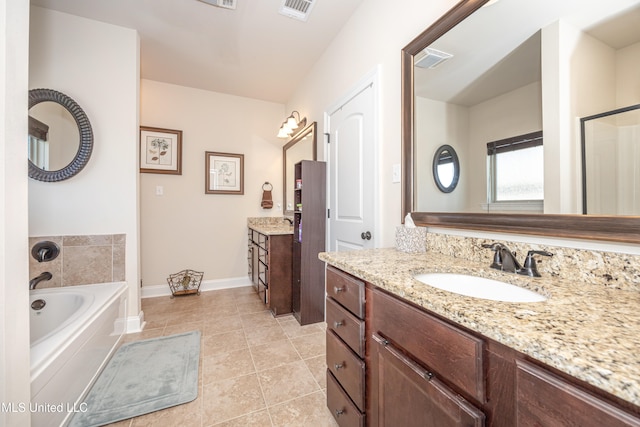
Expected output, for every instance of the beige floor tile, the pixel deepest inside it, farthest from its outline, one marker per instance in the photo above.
(264, 335)
(227, 365)
(222, 324)
(247, 356)
(255, 419)
(144, 335)
(318, 367)
(293, 329)
(309, 410)
(273, 355)
(231, 398)
(257, 320)
(222, 343)
(310, 345)
(179, 328)
(251, 307)
(286, 382)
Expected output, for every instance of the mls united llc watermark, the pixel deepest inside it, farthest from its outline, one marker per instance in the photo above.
(21, 407)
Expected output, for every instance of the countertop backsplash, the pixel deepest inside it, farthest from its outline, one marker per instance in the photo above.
(610, 269)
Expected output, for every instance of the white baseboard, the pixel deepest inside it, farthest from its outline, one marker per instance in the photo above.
(135, 323)
(206, 285)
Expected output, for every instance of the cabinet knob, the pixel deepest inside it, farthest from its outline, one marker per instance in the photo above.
(337, 290)
(339, 365)
(338, 324)
(339, 412)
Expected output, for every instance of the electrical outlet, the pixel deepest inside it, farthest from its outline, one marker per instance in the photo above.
(159, 190)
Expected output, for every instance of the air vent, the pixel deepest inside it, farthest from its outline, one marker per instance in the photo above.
(431, 58)
(297, 9)
(227, 4)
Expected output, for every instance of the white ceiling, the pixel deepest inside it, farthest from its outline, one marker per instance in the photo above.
(252, 51)
(497, 49)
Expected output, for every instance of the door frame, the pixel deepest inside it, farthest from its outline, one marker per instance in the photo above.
(372, 78)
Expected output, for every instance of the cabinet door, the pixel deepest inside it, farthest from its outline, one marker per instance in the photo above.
(409, 395)
(544, 399)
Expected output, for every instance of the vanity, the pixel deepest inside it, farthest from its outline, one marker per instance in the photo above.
(401, 352)
(269, 258)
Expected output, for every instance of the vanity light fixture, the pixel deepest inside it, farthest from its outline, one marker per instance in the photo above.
(290, 124)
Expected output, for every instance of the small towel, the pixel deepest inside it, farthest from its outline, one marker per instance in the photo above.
(267, 200)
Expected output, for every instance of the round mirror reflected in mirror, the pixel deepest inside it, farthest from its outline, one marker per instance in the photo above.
(446, 168)
(60, 136)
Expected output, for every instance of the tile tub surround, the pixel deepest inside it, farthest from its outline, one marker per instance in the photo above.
(83, 260)
(586, 330)
(610, 269)
(270, 225)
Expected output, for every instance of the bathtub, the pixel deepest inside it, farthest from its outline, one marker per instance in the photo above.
(72, 338)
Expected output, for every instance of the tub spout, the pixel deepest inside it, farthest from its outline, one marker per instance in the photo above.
(43, 276)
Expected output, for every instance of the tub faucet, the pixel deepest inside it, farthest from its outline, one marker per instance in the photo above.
(43, 276)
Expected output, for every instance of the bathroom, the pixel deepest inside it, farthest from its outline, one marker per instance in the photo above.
(110, 197)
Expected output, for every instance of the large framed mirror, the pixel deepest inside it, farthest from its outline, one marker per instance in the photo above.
(302, 146)
(60, 136)
(465, 77)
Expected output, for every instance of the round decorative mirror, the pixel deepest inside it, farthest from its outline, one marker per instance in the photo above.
(446, 168)
(60, 136)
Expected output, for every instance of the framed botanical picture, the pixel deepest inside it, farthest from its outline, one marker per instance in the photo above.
(160, 150)
(223, 173)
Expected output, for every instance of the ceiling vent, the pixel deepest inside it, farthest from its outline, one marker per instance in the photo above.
(297, 9)
(227, 4)
(431, 58)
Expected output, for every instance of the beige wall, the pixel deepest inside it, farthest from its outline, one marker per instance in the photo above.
(96, 64)
(374, 35)
(627, 76)
(14, 293)
(186, 228)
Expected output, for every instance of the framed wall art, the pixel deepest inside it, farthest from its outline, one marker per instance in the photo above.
(160, 150)
(224, 173)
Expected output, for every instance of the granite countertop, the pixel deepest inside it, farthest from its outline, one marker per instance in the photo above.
(272, 229)
(270, 226)
(588, 331)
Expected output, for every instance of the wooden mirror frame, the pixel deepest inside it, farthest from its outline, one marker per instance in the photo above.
(296, 138)
(624, 229)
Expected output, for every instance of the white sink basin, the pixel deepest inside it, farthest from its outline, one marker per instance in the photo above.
(479, 287)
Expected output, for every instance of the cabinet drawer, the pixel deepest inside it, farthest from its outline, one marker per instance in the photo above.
(341, 407)
(263, 240)
(263, 254)
(546, 399)
(346, 326)
(347, 368)
(346, 290)
(446, 350)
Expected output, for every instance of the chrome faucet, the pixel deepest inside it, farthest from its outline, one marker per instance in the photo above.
(40, 278)
(505, 260)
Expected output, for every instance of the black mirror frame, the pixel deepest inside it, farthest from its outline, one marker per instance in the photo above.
(456, 168)
(83, 154)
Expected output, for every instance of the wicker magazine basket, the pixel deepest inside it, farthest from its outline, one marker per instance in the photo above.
(186, 282)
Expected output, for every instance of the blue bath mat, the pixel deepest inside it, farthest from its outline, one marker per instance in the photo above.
(143, 377)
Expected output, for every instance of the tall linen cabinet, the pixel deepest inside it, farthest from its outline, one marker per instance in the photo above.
(309, 235)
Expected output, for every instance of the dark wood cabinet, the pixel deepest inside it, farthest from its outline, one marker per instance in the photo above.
(419, 369)
(309, 227)
(409, 395)
(544, 399)
(270, 269)
(424, 371)
(346, 367)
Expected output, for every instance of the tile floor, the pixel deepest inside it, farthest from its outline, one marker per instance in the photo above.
(255, 370)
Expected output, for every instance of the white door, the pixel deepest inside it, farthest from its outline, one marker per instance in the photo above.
(352, 182)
